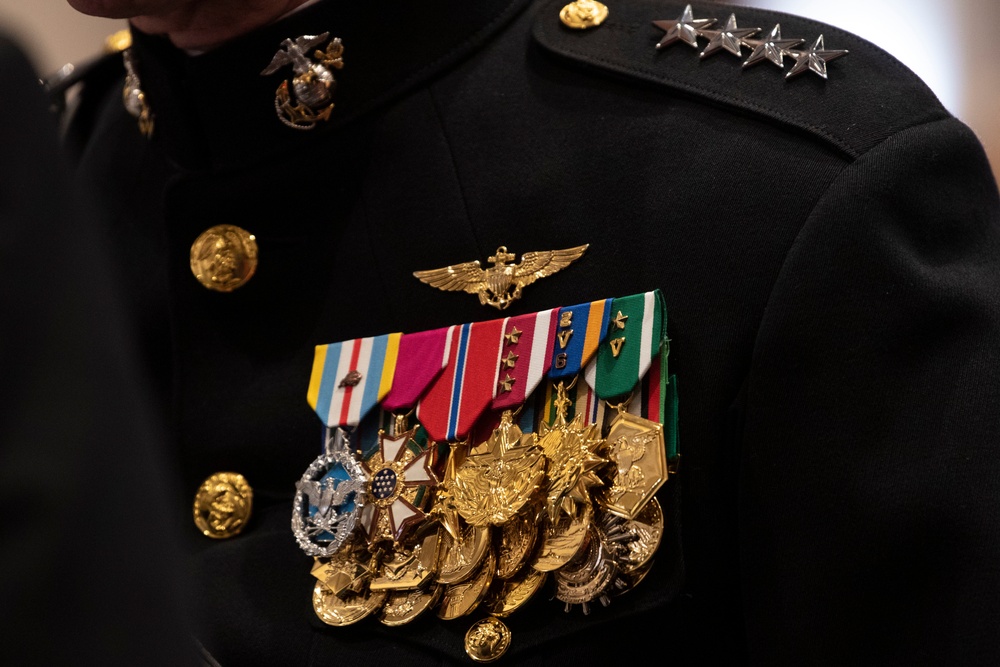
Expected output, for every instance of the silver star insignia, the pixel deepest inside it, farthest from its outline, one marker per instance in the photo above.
(815, 59)
(684, 29)
(729, 38)
(771, 48)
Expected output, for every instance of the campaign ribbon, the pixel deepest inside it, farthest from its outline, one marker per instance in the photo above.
(350, 378)
(636, 332)
(583, 401)
(524, 358)
(457, 398)
(422, 358)
(579, 331)
(656, 400)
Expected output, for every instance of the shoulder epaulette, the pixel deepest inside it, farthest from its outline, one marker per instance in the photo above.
(106, 65)
(783, 67)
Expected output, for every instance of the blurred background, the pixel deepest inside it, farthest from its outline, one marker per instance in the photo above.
(953, 45)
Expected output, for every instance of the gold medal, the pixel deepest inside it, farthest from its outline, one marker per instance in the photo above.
(499, 476)
(460, 558)
(222, 505)
(646, 530)
(515, 592)
(408, 568)
(517, 539)
(339, 612)
(561, 542)
(637, 449)
(461, 599)
(345, 572)
(401, 607)
(487, 640)
(574, 458)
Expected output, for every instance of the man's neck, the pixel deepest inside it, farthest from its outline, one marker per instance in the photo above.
(200, 26)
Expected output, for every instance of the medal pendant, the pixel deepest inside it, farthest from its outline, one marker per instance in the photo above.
(401, 607)
(400, 483)
(461, 557)
(460, 599)
(589, 576)
(328, 498)
(339, 612)
(562, 541)
(498, 477)
(409, 568)
(574, 454)
(345, 573)
(517, 541)
(636, 448)
(515, 592)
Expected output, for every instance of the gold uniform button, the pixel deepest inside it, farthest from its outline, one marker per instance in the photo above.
(118, 42)
(222, 505)
(224, 257)
(583, 14)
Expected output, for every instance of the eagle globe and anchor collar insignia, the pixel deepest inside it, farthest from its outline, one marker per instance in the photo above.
(308, 98)
(501, 284)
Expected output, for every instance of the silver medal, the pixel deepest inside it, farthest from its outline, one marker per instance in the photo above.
(329, 498)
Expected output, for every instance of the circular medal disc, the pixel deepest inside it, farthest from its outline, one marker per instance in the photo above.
(401, 607)
(588, 576)
(487, 640)
(222, 505)
(338, 612)
(517, 538)
(224, 257)
(515, 592)
(460, 559)
(562, 542)
(647, 529)
(461, 599)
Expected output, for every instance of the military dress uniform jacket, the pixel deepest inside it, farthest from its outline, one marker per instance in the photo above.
(828, 252)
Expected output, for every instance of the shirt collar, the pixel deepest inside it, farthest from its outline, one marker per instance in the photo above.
(216, 108)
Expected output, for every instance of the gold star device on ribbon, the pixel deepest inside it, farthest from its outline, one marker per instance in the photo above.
(501, 284)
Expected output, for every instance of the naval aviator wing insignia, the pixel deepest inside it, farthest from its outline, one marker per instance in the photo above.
(501, 284)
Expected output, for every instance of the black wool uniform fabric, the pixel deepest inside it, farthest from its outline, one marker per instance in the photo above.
(828, 251)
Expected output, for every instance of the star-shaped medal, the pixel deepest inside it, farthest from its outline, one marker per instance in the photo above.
(730, 38)
(394, 470)
(814, 59)
(684, 29)
(771, 48)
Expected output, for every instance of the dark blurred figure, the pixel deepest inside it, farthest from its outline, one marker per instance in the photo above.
(85, 550)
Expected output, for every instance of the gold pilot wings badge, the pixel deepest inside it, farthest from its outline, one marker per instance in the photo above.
(501, 284)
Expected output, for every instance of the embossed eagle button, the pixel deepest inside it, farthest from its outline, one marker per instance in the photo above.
(222, 505)
(224, 257)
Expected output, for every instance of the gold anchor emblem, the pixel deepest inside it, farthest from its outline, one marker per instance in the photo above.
(501, 284)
